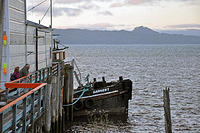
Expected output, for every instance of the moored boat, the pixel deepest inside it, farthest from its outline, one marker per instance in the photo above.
(110, 98)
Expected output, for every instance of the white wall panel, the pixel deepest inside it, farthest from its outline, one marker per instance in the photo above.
(17, 39)
(16, 27)
(17, 50)
(17, 15)
(17, 4)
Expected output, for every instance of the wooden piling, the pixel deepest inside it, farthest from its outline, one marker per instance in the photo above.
(68, 91)
(53, 102)
(48, 107)
(166, 100)
(61, 84)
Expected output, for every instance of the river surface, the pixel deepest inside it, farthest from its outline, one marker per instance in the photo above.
(151, 68)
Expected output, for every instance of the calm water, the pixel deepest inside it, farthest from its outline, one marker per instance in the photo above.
(151, 68)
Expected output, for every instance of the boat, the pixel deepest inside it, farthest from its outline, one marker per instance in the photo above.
(103, 98)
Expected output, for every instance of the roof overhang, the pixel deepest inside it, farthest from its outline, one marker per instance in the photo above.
(30, 23)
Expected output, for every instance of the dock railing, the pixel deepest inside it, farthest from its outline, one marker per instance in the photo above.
(25, 99)
(20, 114)
(40, 76)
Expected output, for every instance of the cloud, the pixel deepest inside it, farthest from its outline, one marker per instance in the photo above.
(136, 2)
(100, 26)
(131, 2)
(106, 13)
(89, 6)
(117, 5)
(183, 26)
(71, 1)
(139, 2)
(72, 12)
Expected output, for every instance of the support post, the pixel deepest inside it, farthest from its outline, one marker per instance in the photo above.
(60, 86)
(25, 36)
(53, 102)
(1, 32)
(68, 91)
(48, 106)
(166, 100)
(1, 123)
(14, 121)
(5, 50)
(36, 54)
(24, 114)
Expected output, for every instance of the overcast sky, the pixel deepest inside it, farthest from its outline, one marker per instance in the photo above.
(119, 14)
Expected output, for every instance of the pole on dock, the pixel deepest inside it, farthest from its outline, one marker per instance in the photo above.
(36, 47)
(1, 32)
(51, 14)
(166, 100)
(68, 91)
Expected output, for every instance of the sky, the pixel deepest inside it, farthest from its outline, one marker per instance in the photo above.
(118, 14)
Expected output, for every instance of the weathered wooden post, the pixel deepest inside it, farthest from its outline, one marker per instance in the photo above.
(57, 96)
(61, 85)
(53, 103)
(48, 106)
(68, 91)
(166, 100)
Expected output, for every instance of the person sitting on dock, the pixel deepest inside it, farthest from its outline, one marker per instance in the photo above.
(24, 71)
(15, 74)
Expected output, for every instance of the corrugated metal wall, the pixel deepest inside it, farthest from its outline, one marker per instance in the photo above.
(22, 40)
(44, 49)
(20, 52)
(44, 45)
(17, 33)
(31, 46)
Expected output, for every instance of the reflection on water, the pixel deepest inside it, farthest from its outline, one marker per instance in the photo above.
(151, 68)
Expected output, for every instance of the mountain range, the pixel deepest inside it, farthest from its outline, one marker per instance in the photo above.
(140, 35)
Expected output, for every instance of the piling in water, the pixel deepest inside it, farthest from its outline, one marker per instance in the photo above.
(68, 92)
(166, 100)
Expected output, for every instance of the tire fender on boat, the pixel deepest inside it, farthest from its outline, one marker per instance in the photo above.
(89, 103)
(79, 105)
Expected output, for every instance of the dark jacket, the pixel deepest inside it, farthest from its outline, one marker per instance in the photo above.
(23, 72)
(14, 76)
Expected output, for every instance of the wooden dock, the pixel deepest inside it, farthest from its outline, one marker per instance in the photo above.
(34, 103)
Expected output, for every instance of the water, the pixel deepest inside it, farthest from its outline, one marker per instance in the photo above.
(151, 68)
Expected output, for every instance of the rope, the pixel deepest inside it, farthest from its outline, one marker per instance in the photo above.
(78, 91)
(45, 14)
(70, 53)
(36, 5)
(84, 90)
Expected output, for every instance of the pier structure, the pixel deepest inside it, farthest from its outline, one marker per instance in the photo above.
(33, 103)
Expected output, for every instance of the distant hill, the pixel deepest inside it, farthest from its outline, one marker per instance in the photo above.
(188, 32)
(140, 35)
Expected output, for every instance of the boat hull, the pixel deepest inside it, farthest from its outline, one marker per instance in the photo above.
(109, 101)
